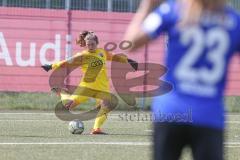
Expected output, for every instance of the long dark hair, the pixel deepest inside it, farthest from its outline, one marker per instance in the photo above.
(81, 37)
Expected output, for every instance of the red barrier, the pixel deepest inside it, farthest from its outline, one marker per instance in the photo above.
(32, 37)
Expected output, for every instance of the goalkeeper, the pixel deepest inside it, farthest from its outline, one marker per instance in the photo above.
(92, 61)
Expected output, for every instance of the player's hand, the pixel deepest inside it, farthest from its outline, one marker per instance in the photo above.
(47, 67)
(133, 63)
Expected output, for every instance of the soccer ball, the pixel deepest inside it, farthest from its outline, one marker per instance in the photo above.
(76, 127)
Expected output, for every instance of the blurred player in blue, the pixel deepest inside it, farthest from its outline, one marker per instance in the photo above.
(203, 35)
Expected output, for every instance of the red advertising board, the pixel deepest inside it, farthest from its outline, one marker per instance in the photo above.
(32, 37)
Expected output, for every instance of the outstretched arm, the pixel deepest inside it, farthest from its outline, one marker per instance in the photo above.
(73, 61)
(134, 32)
(116, 57)
(122, 59)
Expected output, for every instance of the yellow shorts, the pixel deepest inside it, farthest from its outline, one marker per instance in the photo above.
(83, 94)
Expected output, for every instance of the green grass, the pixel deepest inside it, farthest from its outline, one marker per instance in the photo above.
(47, 101)
(233, 103)
(14, 100)
(17, 129)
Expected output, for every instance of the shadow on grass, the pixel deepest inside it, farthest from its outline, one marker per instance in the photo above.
(118, 134)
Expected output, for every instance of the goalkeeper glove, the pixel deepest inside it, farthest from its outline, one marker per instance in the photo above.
(133, 63)
(47, 67)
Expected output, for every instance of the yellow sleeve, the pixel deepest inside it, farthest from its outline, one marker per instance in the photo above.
(117, 57)
(73, 61)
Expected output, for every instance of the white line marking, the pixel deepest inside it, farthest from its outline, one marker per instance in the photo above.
(232, 146)
(148, 130)
(80, 143)
(44, 114)
(232, 115)
(228, 144)
(15, 113)
(27, 120)
(236, 122)
(114, 114)
(110, 120)
(232, 143)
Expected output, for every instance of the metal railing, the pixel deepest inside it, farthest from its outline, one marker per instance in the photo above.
(235, 3)
(91, 5)
(95, 5)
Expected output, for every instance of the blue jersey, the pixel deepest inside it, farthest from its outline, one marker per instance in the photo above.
(197, 59)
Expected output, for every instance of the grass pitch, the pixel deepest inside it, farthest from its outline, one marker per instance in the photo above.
(41, 136)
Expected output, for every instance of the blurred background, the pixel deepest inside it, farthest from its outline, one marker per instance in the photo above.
(37, 32)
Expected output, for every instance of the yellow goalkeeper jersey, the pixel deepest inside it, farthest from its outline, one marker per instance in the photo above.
(93, 66)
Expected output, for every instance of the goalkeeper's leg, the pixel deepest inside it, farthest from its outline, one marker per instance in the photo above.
(101, 118)
(70, 101)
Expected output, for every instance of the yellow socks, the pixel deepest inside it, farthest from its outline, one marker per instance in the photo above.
(101, 117)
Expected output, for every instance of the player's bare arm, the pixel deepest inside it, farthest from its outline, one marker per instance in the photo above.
(134, 33)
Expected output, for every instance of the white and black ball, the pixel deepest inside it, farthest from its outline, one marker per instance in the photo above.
(76, 127)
